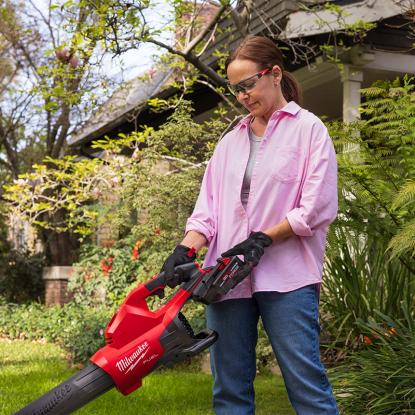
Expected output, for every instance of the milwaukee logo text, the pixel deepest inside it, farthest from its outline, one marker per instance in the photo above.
(128, 363)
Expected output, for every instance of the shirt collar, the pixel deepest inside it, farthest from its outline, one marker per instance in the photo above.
(291, 108)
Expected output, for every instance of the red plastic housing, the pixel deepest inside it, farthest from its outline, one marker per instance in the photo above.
(132, 337)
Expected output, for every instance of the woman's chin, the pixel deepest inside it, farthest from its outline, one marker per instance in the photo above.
(255, 112)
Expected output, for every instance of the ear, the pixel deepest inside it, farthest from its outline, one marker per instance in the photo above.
(277, 73)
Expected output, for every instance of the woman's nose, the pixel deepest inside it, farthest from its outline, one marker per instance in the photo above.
(242, 94)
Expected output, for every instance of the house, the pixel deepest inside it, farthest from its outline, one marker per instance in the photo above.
(386, 52)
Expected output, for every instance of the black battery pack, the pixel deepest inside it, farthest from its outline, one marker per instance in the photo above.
(220, 279)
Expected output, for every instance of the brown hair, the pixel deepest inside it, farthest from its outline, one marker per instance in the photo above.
(266, 54)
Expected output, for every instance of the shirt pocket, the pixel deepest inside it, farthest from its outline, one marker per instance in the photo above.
(286, 164)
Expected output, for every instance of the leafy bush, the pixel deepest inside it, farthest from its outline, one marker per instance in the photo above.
(21, 276)
(83, 332)
(117, 188)
(264, 354)
(20, 272)
(376, 158)
(79, 330)
(381, 379)
(403, 242)
(106, 274)
(360, 279)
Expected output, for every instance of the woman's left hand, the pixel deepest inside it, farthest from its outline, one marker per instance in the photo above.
(252, 248)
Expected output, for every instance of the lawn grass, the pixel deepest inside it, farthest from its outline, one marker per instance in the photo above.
(28, 370)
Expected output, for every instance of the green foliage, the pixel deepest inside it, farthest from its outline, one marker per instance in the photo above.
(79, 330)
(404, 241)
(83, 334)
(20, 272)
(360, 280)
(160, 180)
(21, 276)
(60, 185)
(376, 159)
(105, 275)
(162, 189)
(265, 357)
(381, 379)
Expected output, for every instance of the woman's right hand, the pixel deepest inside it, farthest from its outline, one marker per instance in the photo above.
(181, 255)
(252, 248)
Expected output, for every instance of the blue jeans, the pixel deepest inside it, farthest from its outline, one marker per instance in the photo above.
(291, 323)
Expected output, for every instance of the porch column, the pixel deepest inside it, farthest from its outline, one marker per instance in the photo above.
(352, 79)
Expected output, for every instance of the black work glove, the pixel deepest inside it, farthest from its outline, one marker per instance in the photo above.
(252, 248)
(181, 255)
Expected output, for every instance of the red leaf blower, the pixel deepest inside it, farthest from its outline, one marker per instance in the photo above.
(139, 340)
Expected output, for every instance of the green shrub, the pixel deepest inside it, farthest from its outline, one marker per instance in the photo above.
(21, 276)
(360, 279)
(78, 329)
(381, 379)
(376, 158)
(83, 332)
(20, 272)
(105, 275)
(264, 354)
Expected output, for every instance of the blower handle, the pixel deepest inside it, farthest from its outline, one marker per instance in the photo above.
(184, 273)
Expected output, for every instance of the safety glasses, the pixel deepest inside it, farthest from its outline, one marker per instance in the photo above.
(247, 84)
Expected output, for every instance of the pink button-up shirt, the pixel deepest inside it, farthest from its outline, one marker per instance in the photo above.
(294, 177)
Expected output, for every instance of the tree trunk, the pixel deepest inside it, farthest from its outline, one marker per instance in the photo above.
(60, 247)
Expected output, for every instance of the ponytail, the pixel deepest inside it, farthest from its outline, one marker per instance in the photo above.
(291, 88)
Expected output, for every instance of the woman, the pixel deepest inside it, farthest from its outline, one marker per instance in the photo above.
(269, 193)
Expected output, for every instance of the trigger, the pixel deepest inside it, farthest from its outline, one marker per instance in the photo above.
(159, 293)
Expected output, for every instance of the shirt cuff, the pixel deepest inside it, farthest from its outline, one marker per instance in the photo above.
(200, 227)
(299, 226)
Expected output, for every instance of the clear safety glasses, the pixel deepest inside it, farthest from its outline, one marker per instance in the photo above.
(247, 84)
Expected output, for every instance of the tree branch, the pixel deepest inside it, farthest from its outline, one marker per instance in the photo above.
(6, 164)
(207, 29)
(242, 15)
(195, 61)
(46, 21)
(11, 156)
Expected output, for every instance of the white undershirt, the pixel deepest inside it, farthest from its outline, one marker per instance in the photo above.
(254, 142)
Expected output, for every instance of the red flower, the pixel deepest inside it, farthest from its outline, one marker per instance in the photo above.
(135, 251)
(134, 254)
(367, 340)
(392, 330)
(157, 231)
(106, 265)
